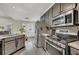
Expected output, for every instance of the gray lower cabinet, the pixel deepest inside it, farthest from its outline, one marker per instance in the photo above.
(78, 9)
(9, 47)
(12, 44)
(74, 51)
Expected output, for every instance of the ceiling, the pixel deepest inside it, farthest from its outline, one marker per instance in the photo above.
(23, 11)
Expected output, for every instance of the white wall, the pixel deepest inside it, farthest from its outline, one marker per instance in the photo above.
(16, 25)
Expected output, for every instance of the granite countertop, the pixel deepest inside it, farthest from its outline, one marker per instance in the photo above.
(9, 35)
(45, 34)
(74, 44)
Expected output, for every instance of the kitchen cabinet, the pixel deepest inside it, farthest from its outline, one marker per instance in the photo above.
(74, 51)
(78, 9)
(46, 17)
(74, 47)
(10, 47)
(10, 44)
(20, 42)
(67, 6)
(56, 9)
(50, 16)
(42, 18)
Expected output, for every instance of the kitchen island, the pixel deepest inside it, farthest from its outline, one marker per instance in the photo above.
(10, 44)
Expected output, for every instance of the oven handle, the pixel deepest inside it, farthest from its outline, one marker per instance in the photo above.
(58, 48)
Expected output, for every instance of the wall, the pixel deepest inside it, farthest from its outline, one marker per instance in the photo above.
(29, 28)
(16, 25)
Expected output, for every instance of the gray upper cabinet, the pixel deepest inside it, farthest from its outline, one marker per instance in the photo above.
(50, 13)
(56, 9)
(67, 6)
(78, 10)
(42, 18)
(47, 18)
(50, 16)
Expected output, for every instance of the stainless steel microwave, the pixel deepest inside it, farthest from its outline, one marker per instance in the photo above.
(71, 17)
(67, 18)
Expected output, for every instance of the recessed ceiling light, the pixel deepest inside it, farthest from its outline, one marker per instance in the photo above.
(26, 17)
(13, 7)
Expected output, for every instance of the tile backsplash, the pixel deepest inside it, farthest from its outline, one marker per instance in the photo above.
(73, 29)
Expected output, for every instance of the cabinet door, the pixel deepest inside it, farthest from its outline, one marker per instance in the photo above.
(56, 9)
(78, 10)
(50, 17)
(47, 18)
(74, 51)
(67, 6)
(10, 47)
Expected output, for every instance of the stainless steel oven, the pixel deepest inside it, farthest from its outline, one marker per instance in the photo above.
(53, 49)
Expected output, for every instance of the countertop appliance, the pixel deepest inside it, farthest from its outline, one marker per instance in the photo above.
(71, 17)
(65, 19)
(59, 42)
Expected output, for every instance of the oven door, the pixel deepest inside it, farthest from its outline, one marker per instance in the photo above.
(53, 49)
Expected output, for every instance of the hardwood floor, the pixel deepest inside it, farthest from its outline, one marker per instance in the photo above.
(31, 49)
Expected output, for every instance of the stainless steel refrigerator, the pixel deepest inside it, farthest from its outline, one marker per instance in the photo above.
(38, 34)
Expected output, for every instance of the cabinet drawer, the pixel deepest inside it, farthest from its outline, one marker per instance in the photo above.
(10, 47)
(9, 39)
(74, 51)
